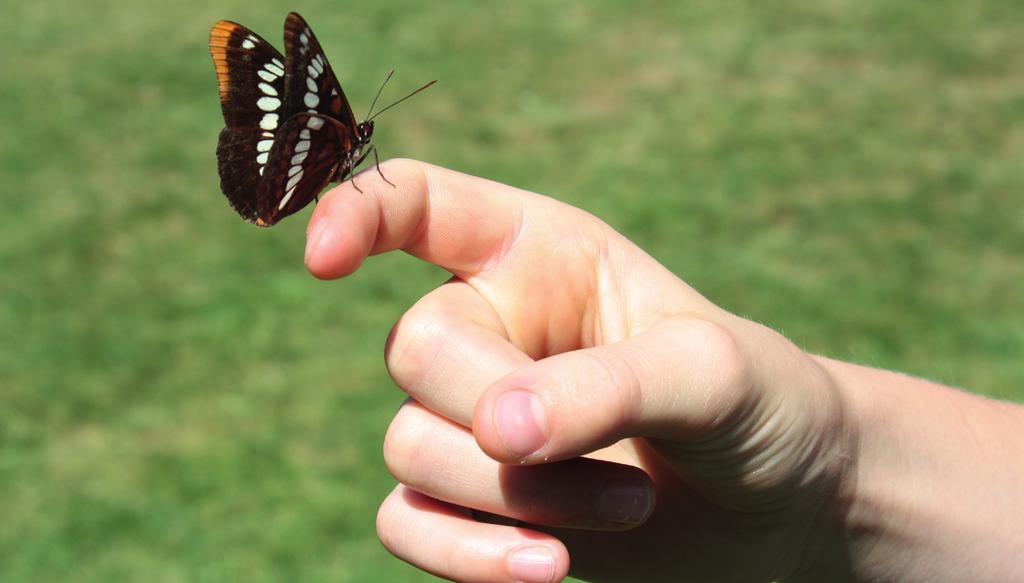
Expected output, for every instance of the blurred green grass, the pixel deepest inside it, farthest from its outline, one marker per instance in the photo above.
(180, 400)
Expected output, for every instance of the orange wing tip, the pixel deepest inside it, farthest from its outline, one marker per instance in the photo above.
(223, 29)
(220, 35)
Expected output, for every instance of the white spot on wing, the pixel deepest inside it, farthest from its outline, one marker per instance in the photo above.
(302, 145)
(311, 85)
(268, 89)
(267, 134)
(294, 169)
(304, 39)
(298, 158)
(268, 103)
(248, 44)
(304, 134)
(279, 64)
(314, 122)
(266, 75)
(294, 180)
(264, 145)
(269, 121)
(261, 170)
(276, 68)
(311, 71)
(262, 158)
(284, 200)
(311, 100)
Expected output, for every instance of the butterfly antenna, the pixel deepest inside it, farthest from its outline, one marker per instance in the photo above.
(379, 91)
(402, 99)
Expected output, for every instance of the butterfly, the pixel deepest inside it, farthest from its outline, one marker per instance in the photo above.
(288, 130)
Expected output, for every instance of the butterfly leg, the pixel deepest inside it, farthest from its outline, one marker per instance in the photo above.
(376, 162)
(346, 171)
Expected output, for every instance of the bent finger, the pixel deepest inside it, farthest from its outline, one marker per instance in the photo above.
(441, 459)
(681, 379)
(445, 541)
(450, 219)
(448, 348)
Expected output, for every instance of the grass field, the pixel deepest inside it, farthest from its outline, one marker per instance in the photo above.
(181, 401)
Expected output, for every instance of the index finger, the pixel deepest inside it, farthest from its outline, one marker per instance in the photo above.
(514, 247)
(453, 220)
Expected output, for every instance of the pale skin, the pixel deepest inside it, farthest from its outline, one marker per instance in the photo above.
(605, 420)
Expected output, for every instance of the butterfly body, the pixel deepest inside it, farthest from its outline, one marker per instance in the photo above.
(352, 159)
(289, 129)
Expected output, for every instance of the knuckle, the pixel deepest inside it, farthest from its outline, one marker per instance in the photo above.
(403, 165)
(717, 352)
(414, 344)
(619, 378)
(411, 174)
(386, 521)
(403, 447)
(721, 370)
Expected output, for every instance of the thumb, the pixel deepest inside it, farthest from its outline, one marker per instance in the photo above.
(681, 379)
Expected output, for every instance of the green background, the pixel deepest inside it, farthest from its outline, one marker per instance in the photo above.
(181, 400)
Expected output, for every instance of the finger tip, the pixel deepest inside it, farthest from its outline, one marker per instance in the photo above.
(538, 561)
(325, 256)
(486, 435)
(336, 242)
(325, 267)
(509, 437)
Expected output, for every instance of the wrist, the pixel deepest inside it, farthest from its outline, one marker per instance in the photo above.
(933, 492)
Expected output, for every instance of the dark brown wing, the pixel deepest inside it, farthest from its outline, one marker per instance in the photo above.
(251, 78)
(303, 160)
(310, 83)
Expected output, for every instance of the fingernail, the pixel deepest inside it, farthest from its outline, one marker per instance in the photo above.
(532, 565)
(625, 504)
(519, 417)
(314, 240)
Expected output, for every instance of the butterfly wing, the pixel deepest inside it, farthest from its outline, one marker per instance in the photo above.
(251, 78)
(310, 83)
(307, 151)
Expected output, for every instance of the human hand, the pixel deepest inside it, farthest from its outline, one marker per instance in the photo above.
(715, 449)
